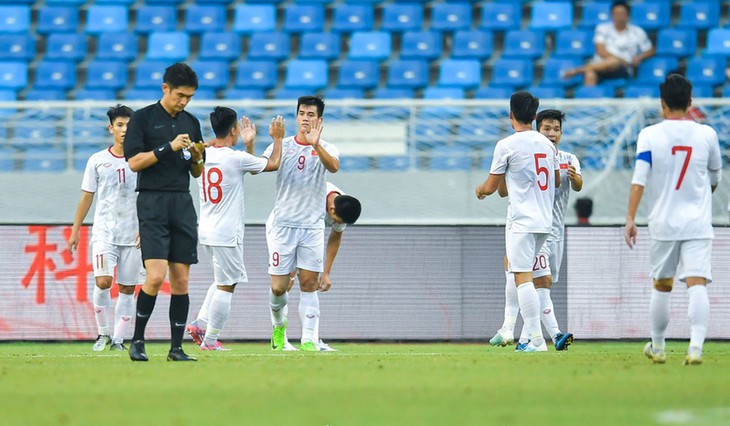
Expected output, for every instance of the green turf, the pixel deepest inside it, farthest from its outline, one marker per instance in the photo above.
(442, 384)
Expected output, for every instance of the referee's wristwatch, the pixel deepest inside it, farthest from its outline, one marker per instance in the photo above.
(201, 161)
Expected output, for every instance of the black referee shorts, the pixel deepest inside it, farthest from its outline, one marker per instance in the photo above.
(168, 226)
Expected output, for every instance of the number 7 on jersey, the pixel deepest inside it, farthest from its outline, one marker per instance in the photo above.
(688, 155)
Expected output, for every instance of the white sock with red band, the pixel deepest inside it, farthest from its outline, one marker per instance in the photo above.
(101, 299)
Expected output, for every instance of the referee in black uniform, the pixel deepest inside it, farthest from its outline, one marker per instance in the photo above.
(160, 147)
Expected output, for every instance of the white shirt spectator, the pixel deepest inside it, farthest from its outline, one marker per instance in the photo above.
(626, 45)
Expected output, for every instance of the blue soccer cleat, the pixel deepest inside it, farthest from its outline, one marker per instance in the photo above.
(562, 341)
(521, 346)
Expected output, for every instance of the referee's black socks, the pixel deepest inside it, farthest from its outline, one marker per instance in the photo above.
(145, 306)
(179, 306)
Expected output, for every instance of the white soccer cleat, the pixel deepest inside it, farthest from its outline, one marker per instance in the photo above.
(323, 347)
(657, 356)
(694, 356)
(502, 339)
(532, 348)
(289, 347)
(101, 341)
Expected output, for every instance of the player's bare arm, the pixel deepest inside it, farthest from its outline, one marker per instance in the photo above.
(248, 134)
(576, 180)
(144, 160)
(333, 246)
(502, 188)
(277, 130)
(630, 230)
(329, 162)
(489, 186)
(81, 211)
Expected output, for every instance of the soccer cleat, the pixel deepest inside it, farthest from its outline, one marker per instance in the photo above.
(278, 337)
(137, 352)
(308, 347)
(657, 356)
(562, 341)
(532, 348)
(197, 333)
(177, 354)
(323, 347)
(694, 356)
(500, 340)
(288, 347)
(101, 341)
(521, 346)
(216, 347)
(117, 347)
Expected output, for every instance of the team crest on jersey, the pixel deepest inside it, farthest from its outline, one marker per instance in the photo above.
(314, 153)
(107, 164)
(564, 166)
(290, 152)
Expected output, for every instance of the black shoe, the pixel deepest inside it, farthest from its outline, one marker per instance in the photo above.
(117, 347)
(177, 354)
(137, 352)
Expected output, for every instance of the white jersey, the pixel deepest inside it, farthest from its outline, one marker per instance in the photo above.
(625, 45)
(680, 155)
(114, 183)
(301, 187)
(528, 160)
(220, 189)
(339, 227)
(562, 194)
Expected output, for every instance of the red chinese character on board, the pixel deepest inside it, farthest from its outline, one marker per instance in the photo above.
(40, 262)
(82, 268)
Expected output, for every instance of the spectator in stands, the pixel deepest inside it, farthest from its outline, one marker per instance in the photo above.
(584, 210)
(620, 48)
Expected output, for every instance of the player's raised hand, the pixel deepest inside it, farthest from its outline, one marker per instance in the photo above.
(315, 131)
(571, 173)
(247, 131)
(324, 282)
(73, 242)
(277, 128)
(630, 232)
(181, 141)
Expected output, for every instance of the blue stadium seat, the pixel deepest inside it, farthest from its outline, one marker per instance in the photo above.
(7, 159)
(308, 74)
(256, 74)
(451, 158)
(204, 18)
(352, 17)
(370, 45)
(555, 67)
(442, 93)
(14, 19)
(410, 74)
(650, 15)
(137, 94)
(106, 75)
(285, 93)
(251, 18)
(95, 95)
(678, 43)
(36, 94)
(156, 18)
(236, 94)
(420, 45)
(106, 19)
(463, 73)
(357, 73)
(76, 3)
(57, 19)
(345, 93)
(122, 47)
(594, 13)
(17, 47)
(171, 46)
(13, 75)
(478, 133)
(149, 73)
(551, 16)
(55, 75)
(513, 73)
(706, 70)
(524, 44)
(654, 70)
(430, 134)
(451, 16)
(547, 92)
(702, 91)
(489, 92)
(393, 93)
(641, 91)
(501, 16)
(44, 160)
(574, 44)
(393, 163)
(124, 2)
(81, 157)
(354, 163)
(64, 46)
(223, 46)
(212, 75)
(270, 45)
(402, 17)
(319, 46)
(205, 95)
(472, 45)
(301, 18)
(718, 42)
(699, 15)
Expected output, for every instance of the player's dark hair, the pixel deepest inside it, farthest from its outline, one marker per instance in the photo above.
(523, 106)
(620, 3)
(311, 100)
(550, 114)
(584, 207)
(676, 92)
(180, 74)
(222, 120)
(117, 111)
(348, 208)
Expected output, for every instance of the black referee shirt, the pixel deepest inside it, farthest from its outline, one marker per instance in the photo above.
(152, 127)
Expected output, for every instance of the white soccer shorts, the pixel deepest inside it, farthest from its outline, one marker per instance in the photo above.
(127, 260)
(548, 260)
(292, 248)
(522, 249)
(228, 267)
(691, 257)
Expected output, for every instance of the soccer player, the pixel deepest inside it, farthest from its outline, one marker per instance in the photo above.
(295, 228)
(527, 162)
(164, 146)
(546, 267)
(114, 235)
(679, 162)
(221, 227)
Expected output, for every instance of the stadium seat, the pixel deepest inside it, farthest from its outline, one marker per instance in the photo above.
(156, 18)
(650, 15)
(410, 74)
(551, 16)
(392, 112)
(701, 15)
(702, 91)
(524, 44)
(451, 16)
(171, 46)
(472, 45)
(463, 73)
(55, 75)
(13, 75)
(301, 18)
(149, 73)
(500, 16)
(43, 160)
(345, 93)
(447, 158)
(137, 94)
(7, 158)
(205, 18)
(287, 94)
(641, 91)
(420, 45)
(478, 133)
(718, 42)
(393, 163)
(393, 93)
(513, 73)
(251, 18)
(319, 46)
(174, 2)
(64, 46)
(222, 46)
(430, 134)
(76, 3)
(442, 93)
(205, 95)
(271, 45)
(36, 94)
(17, 47)
(81, 156)
(706, 70)
(106, 19)
(354, 163)
(103, 74)
(654, 70)
(370, 45)
(677, 43)
(14, 19)
(489, 92)
(256, 74)
(57, 19)
(124, 2)
(212, 75)
(402, 17)
(574, 44)
(122, 47)
(236, 94)
(594, 13)
(359, 74)
(306, 74)
(352, 17)
(547, 92)
(95, 95)
(555, 67)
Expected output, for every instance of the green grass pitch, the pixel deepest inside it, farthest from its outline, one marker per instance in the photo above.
(364, 384)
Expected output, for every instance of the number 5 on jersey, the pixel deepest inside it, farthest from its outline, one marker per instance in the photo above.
(212, 179)
(541, 170)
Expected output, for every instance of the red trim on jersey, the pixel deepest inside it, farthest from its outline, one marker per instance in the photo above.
(299, 143)
(114, 155)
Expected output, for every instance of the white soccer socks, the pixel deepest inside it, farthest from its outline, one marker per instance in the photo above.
(204, 313)
(699, 315)
(308, 314)
(123, 314)
(101, 300)
(659, 317)
(547, 314)
(220, 307)
(511, 306)
(277, 304)
(530, 310)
